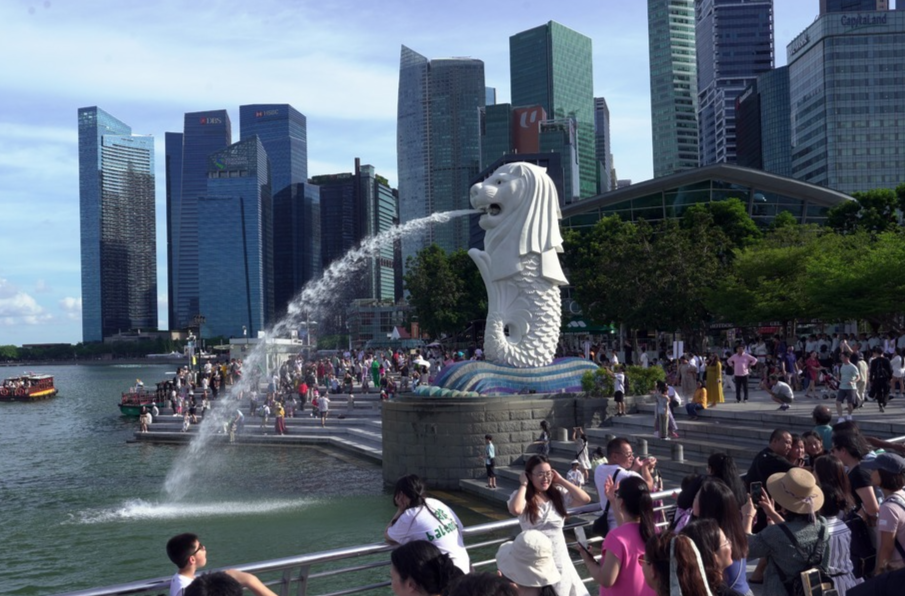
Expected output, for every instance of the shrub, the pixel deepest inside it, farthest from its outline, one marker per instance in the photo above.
(642, 381)
(598, 383)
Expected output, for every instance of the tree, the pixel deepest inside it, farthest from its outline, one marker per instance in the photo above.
(445, 290)
(730, 216)
(872, 211)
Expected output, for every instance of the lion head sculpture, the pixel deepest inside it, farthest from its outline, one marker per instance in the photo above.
(521, 216)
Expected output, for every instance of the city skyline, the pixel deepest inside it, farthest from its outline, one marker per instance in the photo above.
(150, 65)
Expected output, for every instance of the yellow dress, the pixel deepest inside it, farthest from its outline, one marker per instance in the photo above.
(715, 384)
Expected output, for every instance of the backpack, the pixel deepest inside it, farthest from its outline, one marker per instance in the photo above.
(816, 576)
(862, 552)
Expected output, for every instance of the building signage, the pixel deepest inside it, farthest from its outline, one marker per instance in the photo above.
(209, 120)
(863, 20)
(799, 42)
(261, 114)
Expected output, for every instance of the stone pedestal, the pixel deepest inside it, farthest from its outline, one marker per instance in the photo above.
(442, 439)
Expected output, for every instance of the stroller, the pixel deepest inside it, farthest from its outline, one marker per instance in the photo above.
(830, 384)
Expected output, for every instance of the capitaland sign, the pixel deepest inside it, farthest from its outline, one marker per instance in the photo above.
(863, 20)
(799, 42)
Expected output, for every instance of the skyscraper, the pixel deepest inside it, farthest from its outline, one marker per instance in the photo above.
(602, 143)
(551, 66)
(762, 124)
(118, 230)
(846, 93)
(673, 85)
(355, 206)
(828, 6)
(283, 131)
(204, 133)
(437, 144)
(734, 44)
(235, 246)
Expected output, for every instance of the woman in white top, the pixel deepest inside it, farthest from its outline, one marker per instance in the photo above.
(898, 373)
(421, 518)
(540, 503)
(887, 471)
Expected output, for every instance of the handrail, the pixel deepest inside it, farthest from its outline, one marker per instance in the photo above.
(296, 571)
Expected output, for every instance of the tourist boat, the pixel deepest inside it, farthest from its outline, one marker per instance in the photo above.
(137, 398)
(28, 387)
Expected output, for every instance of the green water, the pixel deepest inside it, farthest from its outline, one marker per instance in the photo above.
(81, 508)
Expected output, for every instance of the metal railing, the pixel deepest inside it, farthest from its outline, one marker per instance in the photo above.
(294, 575)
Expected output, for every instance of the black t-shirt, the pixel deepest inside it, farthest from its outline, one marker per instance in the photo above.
(765, 464)
(859, 478)
(887, 584)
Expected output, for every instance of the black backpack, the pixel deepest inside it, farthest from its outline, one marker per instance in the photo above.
(817, 576)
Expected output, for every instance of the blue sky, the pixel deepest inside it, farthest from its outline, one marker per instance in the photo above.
(336, 61)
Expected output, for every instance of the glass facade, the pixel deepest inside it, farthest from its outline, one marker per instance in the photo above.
(173, 172)
(283, 131)
(296, 242)
(827, 6)
(203, 134)
(438, 144)
(765, 195)
(673, 85)
(118, 227)
(355, 206)
(551, 66)
(763, 128)
(734, 42)
(847, 93)
(602, 145)
(496, 132)
(235, 248)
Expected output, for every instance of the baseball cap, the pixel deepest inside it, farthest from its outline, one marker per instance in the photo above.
(890, 462)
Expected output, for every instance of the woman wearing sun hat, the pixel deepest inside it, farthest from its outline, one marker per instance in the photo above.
(799, 499)
(528, 563)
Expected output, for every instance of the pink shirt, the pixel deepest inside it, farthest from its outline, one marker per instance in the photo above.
(892, 519)
(740, 363)
(625, 542)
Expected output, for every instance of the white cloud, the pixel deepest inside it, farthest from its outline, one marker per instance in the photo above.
(72, 308)
(42, 287)
(19, 308)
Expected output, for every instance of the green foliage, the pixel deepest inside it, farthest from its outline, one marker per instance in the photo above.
(784, 219)
(445, 291)
(598, 383)
(872, 211)
(642, 381)
(9, 353)
(729, 216)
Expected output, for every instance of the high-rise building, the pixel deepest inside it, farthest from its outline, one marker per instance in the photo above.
(235, 244)
(118, 229)
(283, 131)
(828, 6)
(673, 85)
(551, 66)
(847, 96)
(602, 143)
(203, 134)
(734, 44)
(437, 144)
(762, 125)
(355, 206)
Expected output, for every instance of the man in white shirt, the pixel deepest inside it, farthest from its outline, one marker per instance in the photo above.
(189, 555)
(622, 464)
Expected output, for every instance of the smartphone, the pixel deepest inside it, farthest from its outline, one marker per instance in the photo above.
(581, 537)
(757, 490)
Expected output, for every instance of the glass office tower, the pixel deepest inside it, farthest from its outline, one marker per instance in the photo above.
(203, 134)
(118, 229)
(734, 44)
(283, 131)
(551, 66)
(235, 244)
(828, 6)
(673, 85)
(763, 129)
(847, 97)
(437, 144)
(602, 146)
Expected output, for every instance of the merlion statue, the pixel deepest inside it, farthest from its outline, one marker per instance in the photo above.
(520, 264)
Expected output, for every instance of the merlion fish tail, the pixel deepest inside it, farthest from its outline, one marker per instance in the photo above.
(524, 331)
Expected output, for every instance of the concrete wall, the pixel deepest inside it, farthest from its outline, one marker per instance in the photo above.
(442, 439)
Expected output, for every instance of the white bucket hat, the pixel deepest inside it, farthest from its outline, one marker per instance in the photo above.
(528, 560)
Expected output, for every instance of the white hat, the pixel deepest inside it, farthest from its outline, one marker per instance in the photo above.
(576, 462)
(528, 560)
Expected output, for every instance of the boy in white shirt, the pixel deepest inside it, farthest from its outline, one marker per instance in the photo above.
(189, 555)
(575, 475)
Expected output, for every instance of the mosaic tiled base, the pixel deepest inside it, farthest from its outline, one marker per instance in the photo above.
(476, 378)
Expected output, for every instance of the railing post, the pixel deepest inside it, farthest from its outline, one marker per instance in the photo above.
(286, 582)
(642, 447)
(678, 452)
(304, 572)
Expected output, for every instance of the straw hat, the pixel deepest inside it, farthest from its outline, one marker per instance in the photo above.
(796, 491)
(528, 560)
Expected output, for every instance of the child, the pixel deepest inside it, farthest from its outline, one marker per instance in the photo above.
(575, 475)
(189, 555)
(822, 417)
(186, 423)
(490, 461)
(619, 390)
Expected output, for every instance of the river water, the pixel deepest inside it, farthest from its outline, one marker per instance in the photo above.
(83, 508)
